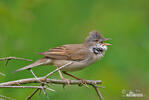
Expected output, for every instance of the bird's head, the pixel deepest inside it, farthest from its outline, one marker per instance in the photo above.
(95, 41)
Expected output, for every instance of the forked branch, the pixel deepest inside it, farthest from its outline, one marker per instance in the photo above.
(16, 58)
(17, 83)
(7, 59)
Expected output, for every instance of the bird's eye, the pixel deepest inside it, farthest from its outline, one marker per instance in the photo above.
(101, 42)
(96, 40)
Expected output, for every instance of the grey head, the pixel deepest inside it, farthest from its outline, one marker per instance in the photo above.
(95, 42)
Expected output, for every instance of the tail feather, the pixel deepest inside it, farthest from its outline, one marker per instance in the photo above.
(39, 62)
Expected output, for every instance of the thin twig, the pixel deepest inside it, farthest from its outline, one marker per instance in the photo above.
(2, 74)
(2, 97)
(98, 92)
(33, 93)
(16, 58)
(42, 85)
(45, 93)
(21, 87)
(58, 69)
(36, 90)
(10, 58)
(33, 73)
(50, 89)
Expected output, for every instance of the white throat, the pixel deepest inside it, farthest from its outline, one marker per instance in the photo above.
(98, 49)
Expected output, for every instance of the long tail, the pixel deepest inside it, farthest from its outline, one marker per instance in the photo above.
(39, 62)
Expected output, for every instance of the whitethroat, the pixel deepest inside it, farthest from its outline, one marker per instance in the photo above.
(81, 55)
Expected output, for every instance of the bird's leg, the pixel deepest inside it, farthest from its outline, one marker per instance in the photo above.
(61, 76)
(83, 81)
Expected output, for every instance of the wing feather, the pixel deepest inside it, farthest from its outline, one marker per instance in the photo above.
(68, 52)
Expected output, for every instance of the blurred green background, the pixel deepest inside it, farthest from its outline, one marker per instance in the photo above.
(31, 26)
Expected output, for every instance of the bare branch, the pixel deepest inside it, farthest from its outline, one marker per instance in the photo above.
(38, 87)
(2, 97)
(98, 92)
(54, 81)
(13, 84)
(33, 93)
(16, 58)
(10, 58)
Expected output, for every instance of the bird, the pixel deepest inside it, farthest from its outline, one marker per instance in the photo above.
(81, 55)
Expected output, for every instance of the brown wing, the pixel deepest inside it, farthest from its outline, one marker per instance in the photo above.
(68, 52)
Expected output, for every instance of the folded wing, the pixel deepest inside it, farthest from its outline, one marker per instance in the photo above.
(75, 52)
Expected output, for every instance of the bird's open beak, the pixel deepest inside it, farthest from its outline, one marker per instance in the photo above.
(106, 44)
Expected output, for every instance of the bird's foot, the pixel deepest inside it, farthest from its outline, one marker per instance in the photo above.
(83, 83)
(68, 81)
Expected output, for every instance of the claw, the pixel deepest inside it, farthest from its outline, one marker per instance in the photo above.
(68, 81)
(83, 83)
